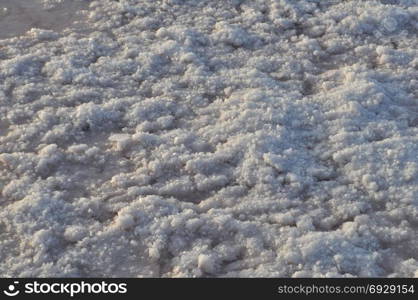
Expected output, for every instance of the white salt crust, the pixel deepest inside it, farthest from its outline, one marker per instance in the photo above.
(184, 138)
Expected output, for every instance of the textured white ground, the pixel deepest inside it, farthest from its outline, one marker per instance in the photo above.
(211, 138)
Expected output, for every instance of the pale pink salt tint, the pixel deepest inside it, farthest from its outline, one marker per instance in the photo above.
(19, 16)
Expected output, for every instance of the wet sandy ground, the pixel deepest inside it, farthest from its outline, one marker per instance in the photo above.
(19, 16)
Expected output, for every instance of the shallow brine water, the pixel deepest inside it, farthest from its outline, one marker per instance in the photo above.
(19, 16)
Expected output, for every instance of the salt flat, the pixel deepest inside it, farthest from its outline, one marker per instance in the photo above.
(181, 138)
(19, 16)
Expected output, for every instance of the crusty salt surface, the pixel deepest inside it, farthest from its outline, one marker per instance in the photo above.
(190, 138)
(19, 16)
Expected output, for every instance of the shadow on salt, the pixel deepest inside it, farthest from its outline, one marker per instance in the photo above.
(19, 16)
